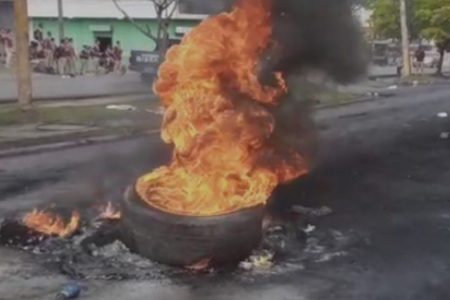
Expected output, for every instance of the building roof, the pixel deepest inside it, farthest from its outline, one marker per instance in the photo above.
(98, 9)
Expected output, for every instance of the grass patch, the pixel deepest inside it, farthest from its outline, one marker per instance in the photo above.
(87, 115)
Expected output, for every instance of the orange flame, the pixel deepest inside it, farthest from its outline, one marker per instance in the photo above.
(109, 212)
(50, 224)
(219, 119)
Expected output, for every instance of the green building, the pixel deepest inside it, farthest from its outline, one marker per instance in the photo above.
(89, 20)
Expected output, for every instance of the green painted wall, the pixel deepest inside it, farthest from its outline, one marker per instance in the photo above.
(81, 30)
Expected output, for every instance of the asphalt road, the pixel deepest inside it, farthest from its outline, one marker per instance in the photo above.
(382, 167)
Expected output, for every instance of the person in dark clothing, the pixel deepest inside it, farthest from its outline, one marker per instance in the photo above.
(38, 34)
(71, 57)
(420, 57)
(84, 59)
(2, 46)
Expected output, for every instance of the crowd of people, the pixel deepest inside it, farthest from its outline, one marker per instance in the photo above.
(48, 56)
(63, 58)
(6, 47)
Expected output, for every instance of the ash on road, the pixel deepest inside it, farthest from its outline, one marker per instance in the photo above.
(383, 168)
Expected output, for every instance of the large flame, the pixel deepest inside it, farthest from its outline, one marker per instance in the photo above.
(50, 224)
(219, 119)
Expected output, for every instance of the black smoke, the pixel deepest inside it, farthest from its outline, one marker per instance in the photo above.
(309, 35)
(318, 34)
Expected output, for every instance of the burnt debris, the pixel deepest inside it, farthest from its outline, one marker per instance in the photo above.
(96, 251)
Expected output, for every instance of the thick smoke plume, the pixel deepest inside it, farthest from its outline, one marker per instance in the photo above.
(321, 35)
(318, 34)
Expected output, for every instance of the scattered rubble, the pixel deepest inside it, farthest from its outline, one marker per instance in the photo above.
(121, 107)
(259, 260)
(445, 135)
(70, 290)
(329, 256)
(309, 229)
(159, 111)
(96, 252)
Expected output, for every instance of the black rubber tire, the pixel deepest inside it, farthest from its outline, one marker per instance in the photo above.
(184, 240)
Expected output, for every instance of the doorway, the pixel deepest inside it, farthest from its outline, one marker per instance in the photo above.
(105, 42)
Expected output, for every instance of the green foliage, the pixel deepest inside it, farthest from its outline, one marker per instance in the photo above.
(385, 18)
(433, 18)
(427, 18)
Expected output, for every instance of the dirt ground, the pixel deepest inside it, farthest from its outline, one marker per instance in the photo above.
(382, 167)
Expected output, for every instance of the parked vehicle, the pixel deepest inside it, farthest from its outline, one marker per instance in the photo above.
(147, 62)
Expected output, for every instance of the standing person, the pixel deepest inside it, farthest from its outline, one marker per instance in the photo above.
(84, 59)
(2, 46)
(62, 54)
(53, 47)
(9, 47)
(420, 57)
(71, 58)
(57, 54)
(48, 47)
(117, 50)
(38, 34)
(108, 60)
(95, 56)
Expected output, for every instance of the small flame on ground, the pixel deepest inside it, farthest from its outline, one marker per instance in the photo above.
(110, 212)
(51, 224)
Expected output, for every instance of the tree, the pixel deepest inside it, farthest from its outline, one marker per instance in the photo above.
(429, 19)
(433, 17)
(385, 19)
(164, 10)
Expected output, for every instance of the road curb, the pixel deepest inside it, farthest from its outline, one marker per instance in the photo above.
(36, 149)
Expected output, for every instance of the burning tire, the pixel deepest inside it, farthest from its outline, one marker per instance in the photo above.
(185, 240)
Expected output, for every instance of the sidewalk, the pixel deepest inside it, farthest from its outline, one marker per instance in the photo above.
(54, 87)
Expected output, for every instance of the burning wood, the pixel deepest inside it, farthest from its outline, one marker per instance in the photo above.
(219, 117)
(51, 224)
(109, 212)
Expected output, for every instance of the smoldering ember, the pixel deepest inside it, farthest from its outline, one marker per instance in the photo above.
(266, 154)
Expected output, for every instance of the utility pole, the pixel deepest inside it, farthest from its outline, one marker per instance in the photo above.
(405, 39)
(22, 53)
(60, 20)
